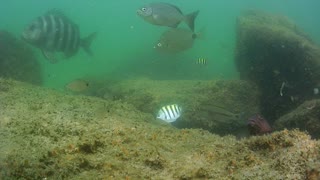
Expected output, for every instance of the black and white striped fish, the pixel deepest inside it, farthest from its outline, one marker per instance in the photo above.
(54, 32)
(201, 61)
(169, 113)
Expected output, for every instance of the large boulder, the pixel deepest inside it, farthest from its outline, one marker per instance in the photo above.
(17, 61)
(306, 117)
(275, 54)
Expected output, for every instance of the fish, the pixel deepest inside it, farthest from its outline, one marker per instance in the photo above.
(176, 40)
(54, 32)
(169, 113)
(258, 125)
(201, 61)
(218, 112)
(77, 86)
(165, 14)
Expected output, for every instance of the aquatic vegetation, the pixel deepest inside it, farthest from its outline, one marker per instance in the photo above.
(17, 61)
(65, 140)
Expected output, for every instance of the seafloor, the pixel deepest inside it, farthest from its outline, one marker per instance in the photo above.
(47, 134)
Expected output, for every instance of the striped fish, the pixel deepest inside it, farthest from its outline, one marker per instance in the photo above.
(169, 113)
(54, 32)
(201, 61)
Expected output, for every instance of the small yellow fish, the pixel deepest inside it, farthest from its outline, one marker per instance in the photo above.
(77, 85)
(201, 61)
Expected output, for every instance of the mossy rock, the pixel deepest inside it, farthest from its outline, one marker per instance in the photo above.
(198, 99)
(275, 54)
(306, 117)
(17, 60)
(81, 137)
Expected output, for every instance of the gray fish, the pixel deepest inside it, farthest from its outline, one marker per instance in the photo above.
(165, 14)
(176, 40)
(54, 32)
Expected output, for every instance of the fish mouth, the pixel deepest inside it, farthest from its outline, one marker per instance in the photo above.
(139, 12)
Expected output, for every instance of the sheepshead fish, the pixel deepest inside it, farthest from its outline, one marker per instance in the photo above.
(169, 113)
(176, 40)
(54, 32)
(165, 14)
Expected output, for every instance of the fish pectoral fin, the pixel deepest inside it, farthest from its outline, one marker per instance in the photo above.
(49, 56)
(175, 25)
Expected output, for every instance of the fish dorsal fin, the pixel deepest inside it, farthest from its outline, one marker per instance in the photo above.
(59, 13)
(56, 12)
(175, 7)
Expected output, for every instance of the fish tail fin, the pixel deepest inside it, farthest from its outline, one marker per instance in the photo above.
(200, 34)
(86, 43)
(190, 18)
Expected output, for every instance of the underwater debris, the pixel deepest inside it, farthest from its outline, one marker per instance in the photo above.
(281, 88)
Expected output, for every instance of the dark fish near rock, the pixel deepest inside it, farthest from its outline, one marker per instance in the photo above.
(54, 32)
(176, 40)
(258, 125)
(165, 14)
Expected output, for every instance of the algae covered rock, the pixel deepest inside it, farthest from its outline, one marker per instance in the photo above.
(306, 117)
(219, 106)
(275, 54)
(17, 60)
(49, 135)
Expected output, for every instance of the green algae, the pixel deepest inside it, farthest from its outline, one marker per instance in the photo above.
(50, 135)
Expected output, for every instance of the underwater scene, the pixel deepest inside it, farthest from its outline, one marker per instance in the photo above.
(169, 89)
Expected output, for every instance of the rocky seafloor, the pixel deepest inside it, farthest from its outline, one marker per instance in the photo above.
(46, 134)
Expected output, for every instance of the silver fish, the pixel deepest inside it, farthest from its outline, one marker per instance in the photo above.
(169, 113)
(165, 14)
(176, 40)
(54, 32)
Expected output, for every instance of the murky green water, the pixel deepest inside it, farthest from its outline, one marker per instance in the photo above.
(124, 45)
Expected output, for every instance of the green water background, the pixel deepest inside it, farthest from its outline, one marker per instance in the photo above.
(124, 45)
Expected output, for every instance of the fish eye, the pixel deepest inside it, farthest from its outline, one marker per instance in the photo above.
(159, 44)
(143, 9)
